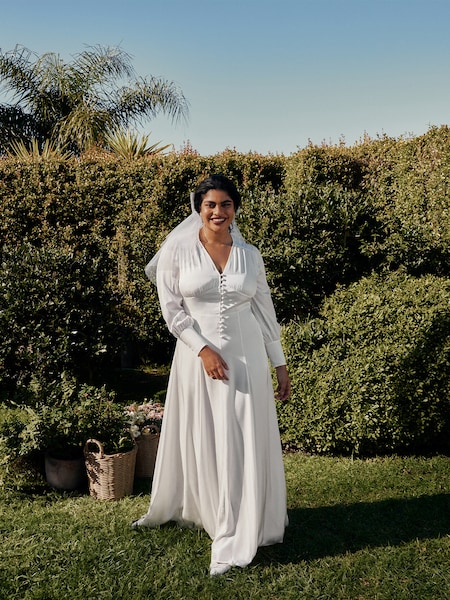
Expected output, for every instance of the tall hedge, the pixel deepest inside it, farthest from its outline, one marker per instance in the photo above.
(311, 234)
(322, 217)
(75, 237)
(57, 314)
(408, 183)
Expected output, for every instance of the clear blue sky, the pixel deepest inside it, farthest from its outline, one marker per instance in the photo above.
(265, 75)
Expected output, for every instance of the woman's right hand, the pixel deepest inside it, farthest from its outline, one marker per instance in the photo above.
(213, 363)
(284, 384)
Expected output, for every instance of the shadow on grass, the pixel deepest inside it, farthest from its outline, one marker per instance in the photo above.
(315, 533)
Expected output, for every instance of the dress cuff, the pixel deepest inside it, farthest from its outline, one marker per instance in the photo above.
(275, 353)
(193, 339)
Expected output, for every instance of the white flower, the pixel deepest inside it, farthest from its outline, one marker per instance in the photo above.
(135, 431)
(143, 415)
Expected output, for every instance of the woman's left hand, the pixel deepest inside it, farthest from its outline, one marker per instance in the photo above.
(284, 384)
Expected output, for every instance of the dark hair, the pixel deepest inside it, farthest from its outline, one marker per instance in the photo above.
(216, 182)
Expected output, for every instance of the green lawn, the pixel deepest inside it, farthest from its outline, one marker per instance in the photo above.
(358, 529)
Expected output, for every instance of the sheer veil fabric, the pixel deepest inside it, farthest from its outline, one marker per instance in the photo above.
(219, 464)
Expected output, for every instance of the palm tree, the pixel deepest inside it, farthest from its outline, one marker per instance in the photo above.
(76, 105)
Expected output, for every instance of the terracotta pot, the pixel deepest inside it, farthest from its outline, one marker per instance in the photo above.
(65, 473)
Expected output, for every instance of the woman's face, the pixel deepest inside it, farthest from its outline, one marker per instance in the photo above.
(217, 211)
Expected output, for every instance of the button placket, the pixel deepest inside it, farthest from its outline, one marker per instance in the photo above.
(222, 291)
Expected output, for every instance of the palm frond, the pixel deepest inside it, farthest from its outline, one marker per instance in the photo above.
(17, 73)
(99, 64)
(84, 126)
(52, 73)
(150, 98)
(16, 124)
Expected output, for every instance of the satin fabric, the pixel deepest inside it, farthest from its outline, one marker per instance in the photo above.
(219, 463)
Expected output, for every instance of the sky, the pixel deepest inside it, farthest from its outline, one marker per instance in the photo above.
(265, 76)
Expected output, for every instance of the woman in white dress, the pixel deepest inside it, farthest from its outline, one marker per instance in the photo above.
(219, 463)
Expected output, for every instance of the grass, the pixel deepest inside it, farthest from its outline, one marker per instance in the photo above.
(376, 529)
(359, 529)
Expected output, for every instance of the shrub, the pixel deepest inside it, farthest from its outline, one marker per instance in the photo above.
(308, 244)
(371, 374)
(323, 217)
(311, 235)
(56, 314)
(408, 183)
(64, 415)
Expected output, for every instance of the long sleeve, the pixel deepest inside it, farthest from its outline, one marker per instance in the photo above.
(179, 323)
(264, 312)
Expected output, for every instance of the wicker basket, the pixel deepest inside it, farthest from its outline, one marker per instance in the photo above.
(110, 476)
(147, 444)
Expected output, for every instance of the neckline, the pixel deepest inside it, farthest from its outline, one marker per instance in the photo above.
(215, 267)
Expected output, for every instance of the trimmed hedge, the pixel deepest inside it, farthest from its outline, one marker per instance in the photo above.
(56, 315)
(311, 234)
(75, 237)
(372, 372)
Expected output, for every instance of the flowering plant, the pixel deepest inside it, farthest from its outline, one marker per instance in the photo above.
(141, 417)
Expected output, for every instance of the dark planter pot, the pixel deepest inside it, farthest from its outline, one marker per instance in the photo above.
(147, 445)
(65, 473)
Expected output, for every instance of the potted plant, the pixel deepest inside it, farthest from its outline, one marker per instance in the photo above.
(56, 422)
(110, 449)
(145, 422)
(55, 430)
(49, 423)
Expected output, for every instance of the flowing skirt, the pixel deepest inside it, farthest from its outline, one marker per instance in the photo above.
(219, 464)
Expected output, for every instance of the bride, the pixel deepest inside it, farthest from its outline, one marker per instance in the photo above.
(219, 464)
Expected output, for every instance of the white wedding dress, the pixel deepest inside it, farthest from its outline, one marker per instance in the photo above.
(219, 463)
